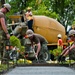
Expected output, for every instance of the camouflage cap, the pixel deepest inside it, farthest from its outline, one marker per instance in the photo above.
(71, 32)
(8, 6)
(29, 32)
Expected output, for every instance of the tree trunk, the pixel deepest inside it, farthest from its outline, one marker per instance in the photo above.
(2, 2)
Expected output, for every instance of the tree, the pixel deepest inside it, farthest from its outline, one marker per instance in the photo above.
(2, 1)
(38, 1)
(65, 9)
(43, 10)
(41, 7)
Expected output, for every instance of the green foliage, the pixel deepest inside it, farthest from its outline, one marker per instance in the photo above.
(56, 52)
(62, 10)
(22, 48)
(3, 67)
(22, 51)
(42, 10)
(73, 23)
(15, 41)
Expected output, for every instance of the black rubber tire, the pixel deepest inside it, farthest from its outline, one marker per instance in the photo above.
(44, 55)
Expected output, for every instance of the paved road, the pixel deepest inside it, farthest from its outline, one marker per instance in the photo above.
(42, 70)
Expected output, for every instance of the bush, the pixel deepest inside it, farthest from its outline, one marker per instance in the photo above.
(56, 52)
(15, 41)
(3, 67)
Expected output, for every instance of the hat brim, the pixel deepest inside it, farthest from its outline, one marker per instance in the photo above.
(71, 35)
(30, 35)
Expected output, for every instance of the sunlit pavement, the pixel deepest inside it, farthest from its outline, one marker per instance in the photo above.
(41, 70)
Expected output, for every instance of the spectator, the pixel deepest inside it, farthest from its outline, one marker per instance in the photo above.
(29, 17)
(29, 11)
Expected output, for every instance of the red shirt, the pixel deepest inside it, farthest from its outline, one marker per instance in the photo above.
(60, 42)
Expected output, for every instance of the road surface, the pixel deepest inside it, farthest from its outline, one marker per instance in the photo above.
(41, 70)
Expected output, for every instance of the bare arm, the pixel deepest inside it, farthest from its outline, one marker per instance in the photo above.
(69, 49)
(72, 47)
(38, 48)
(65, 50)
(2, 20)
(3, 25)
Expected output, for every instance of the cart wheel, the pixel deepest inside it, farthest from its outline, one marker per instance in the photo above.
(44, 56)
